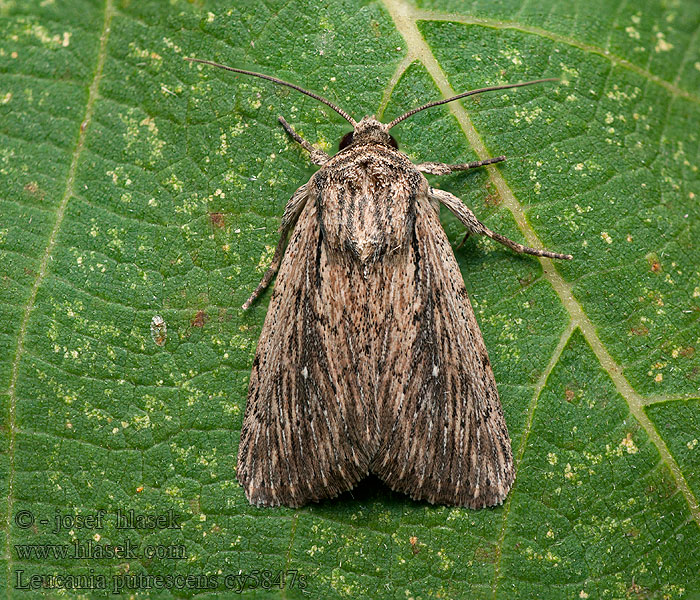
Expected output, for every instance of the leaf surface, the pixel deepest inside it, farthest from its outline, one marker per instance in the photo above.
(135, 185)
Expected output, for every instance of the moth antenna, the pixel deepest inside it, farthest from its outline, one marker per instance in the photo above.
(507, 86)
(337, 109)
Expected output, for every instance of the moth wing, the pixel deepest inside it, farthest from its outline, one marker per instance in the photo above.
(443, 437)
(303, 439)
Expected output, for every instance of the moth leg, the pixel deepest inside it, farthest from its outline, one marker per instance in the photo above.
(473, 225)
(318, 157)
(291, 214)
(437, 168)
(464, 240)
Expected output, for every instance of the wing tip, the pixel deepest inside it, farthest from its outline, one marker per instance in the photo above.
(296, 496)
(467, 499)
(449, 494)
(271, 496)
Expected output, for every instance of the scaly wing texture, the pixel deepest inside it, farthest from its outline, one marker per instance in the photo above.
(443, 435)
(309, 424)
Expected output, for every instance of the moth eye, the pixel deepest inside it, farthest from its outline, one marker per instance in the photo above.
(393, 142)
(345, 141)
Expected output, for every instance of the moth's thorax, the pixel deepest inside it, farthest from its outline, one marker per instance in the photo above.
(371, 131)
(366, 197)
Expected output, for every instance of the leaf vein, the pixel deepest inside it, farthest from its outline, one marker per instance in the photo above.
(43, 268)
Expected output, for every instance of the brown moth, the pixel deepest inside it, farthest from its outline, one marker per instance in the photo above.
(370, 359)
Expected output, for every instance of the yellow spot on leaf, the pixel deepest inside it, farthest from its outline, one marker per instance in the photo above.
(629, 445)
(661, 44)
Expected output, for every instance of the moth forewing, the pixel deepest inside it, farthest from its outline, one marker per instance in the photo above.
(301, 439)
(370, 359)
(448, 442)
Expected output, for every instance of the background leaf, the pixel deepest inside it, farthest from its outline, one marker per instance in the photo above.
(135, 184)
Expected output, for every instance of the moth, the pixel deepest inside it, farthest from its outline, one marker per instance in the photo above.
(370, 359)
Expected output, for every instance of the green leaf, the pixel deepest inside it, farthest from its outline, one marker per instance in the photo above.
(136, 185)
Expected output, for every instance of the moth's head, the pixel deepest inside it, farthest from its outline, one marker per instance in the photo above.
(368, 131)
